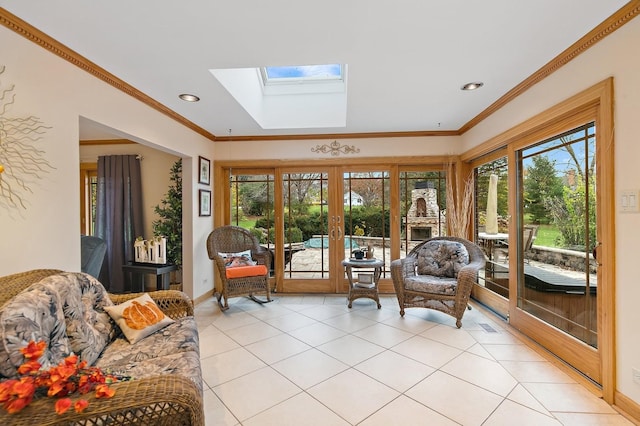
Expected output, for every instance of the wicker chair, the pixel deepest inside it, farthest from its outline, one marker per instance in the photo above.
(448, 294)
(234, 239)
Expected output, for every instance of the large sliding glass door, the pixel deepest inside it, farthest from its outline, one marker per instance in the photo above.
(539, 239)
(491, 230)
(558, 275)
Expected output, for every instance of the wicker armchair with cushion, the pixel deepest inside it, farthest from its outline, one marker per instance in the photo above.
(438, 274)
(242, 264)
(70, 311)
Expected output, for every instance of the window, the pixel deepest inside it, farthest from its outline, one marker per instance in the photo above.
(301, 74)
(88, 191)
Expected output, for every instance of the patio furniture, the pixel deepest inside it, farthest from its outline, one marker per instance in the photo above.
(529, 233)
(242, 264)
(439, 274)
(366, 284)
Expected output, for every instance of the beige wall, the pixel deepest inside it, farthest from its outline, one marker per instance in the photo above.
(374, 147)
(154, 169)
(46, 234)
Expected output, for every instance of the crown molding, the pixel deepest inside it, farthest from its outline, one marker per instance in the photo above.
(89, 142)
(608, 26)
(323, 136)
(33, 34)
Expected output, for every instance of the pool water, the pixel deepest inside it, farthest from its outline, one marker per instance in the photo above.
(323, 242)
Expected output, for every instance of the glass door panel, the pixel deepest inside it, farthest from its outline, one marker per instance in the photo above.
(366, 203)
(305, 224)
(310, 231)
(492, 225)
(558, 275)
(422, 207)
(252, 206)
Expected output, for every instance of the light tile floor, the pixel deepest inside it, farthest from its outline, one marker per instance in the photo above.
(310, 360)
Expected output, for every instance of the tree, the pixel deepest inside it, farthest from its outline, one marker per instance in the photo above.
(541, 186)
(575, 213)
(170, 212)
(302, 189)
(254, 197)
(572, 215)
(369, 186)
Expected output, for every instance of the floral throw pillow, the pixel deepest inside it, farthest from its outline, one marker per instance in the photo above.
(138, 318)
(234, 260)
(442, 258)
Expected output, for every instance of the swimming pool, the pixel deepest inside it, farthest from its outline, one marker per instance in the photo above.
(323, 242)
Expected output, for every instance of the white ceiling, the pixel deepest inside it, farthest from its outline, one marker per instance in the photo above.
(406, 59)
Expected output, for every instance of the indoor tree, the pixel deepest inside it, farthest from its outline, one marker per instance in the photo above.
(169, 225)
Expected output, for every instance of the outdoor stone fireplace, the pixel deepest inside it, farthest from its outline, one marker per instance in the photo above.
(424, 216)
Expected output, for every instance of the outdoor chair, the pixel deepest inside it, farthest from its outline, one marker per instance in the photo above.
(242, 264)
(439, 274)
(529, 233)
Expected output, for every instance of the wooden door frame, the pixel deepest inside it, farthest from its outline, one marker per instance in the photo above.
(592, 104)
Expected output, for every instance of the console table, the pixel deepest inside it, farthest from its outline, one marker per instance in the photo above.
(359, 288)
(134, 272)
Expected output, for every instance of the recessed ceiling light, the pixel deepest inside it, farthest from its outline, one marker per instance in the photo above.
(472, 86)
(188, 97)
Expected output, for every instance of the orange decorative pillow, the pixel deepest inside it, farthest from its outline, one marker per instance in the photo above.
(246, 271)
(138, 318)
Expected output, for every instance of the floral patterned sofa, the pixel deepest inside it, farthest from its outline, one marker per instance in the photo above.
(68, 311)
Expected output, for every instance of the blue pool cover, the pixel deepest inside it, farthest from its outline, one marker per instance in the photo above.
(323, 242)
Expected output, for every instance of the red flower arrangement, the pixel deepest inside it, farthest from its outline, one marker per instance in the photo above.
(69, 376)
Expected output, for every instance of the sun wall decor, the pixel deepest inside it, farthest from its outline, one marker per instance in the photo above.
(20, 161)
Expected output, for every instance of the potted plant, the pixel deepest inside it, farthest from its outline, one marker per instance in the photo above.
(169, 225)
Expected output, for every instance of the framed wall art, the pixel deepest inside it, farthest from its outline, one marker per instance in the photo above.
(204, 165)
(204, 202)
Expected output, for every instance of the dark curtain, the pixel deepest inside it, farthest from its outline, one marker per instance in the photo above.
(118, 213)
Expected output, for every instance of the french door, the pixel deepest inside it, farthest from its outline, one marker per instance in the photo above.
(311, 219)
(309, 230)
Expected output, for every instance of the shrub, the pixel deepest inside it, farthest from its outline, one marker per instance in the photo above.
(260, 234)
(292, 235)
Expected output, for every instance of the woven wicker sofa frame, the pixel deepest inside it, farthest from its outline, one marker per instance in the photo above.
(467, 276)
(159, 400)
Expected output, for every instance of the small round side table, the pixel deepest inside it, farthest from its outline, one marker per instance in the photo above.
(363, 288)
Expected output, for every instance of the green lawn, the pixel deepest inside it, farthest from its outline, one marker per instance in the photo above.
(248, 222)
(547, 236)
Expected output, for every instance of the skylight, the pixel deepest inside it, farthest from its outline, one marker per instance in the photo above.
(291, 97)
(301, 74)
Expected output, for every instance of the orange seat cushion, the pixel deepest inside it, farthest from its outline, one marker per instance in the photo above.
(246, 271)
